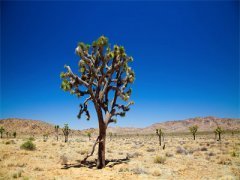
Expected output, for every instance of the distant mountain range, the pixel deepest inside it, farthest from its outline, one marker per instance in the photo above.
(204, 123)
(36, 127)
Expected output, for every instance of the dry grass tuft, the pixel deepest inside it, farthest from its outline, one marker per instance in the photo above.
(159, 159)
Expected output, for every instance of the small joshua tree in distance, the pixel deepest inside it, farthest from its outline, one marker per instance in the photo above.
(89, 134)
(66, 132)
(1, 131)
(14, 134)
(110, 135)
(218, 131)
(159, 132)
(105, 76)
(56, 130)
(193, 130)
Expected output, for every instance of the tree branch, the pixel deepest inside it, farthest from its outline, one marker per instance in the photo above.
(93, 149)
(75, 76)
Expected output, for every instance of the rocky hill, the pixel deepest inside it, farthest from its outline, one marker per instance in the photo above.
(24, 126)
(204, 123)
(36, 127)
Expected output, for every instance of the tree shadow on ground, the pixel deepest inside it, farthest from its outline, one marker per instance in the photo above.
(92, 164)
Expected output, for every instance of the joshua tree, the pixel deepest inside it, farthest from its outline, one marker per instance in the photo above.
(89, 134)
(1, 131)
(66, 132)
(14, 134)
(218, 131)
(104, 77)
(56, 130)
(159, 132)
(193, 130)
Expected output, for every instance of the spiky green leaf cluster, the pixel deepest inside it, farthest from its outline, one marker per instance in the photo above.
(218, 130)
(66, 86)
(193, 129)
(2, 129)
(66, 130)
(159, 132)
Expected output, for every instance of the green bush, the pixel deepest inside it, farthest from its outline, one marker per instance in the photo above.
(17, 175)
(234, 154)
(8, 142)
(31, 139)
(159, 159)
(28, 145)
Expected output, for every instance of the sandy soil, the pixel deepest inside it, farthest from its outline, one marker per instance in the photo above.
(135, 157)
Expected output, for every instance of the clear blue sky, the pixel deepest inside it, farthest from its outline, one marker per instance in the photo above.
(186, 57)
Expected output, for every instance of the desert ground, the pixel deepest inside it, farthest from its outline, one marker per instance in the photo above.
(129, 157)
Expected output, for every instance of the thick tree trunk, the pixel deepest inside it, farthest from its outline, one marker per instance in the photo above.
(66, 138)
(102, 136)
(1, 135)
(101, 148)
(219, 136)
(194, 136)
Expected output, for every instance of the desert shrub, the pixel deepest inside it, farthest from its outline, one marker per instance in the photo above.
(156, 172)
(10, 142)
(224, 161)
(150, 150)
(181, 150)
(38, 169)
(234, 154)
(123, 169)
(31, 139)
(203, 149)
(17, 175)
(169, 154)
(28, 145)
(211, 154)
(138, 170)
(159, 159)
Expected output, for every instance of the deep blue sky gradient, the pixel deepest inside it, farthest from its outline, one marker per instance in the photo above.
(186, 57)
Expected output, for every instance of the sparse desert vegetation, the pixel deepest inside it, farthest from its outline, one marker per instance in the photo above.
(127, 157)
(143, 73)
